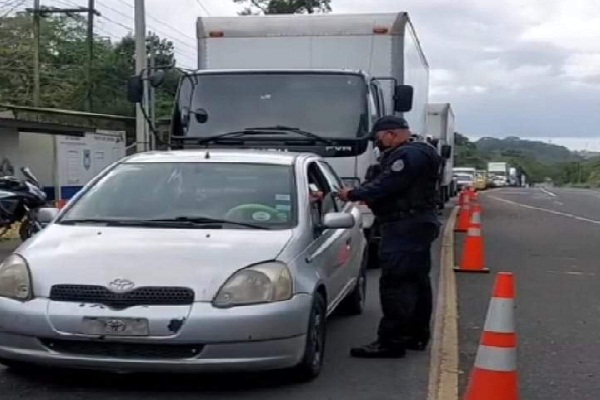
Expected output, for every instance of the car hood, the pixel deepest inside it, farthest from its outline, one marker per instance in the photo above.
(200, 259)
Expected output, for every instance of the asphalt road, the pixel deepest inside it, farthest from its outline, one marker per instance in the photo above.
(550, 239)
(342, 378)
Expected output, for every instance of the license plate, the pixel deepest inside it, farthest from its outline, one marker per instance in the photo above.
(115, 326)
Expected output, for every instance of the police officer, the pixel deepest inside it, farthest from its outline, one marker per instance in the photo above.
(403, 198)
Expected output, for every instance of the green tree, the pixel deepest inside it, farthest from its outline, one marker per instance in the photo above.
(284, 6)
(63, 63)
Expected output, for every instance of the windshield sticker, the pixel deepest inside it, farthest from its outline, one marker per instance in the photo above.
(283, 207)
(283, 197)
(261, 216)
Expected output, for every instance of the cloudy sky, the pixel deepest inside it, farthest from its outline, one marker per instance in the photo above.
(528, 68)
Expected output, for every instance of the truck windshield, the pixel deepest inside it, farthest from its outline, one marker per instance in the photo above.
(329, 105)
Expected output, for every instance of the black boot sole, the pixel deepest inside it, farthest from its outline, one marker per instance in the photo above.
(361, 354)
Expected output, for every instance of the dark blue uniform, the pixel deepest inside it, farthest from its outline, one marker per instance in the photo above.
(403, 198)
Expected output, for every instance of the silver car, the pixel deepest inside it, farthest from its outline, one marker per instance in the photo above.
(188, 261)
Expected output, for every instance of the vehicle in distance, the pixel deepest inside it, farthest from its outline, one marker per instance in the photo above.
(188, 261)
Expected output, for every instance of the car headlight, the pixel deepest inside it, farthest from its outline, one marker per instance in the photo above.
(15, 280)
(262, 283)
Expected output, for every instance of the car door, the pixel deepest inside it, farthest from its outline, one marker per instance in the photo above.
(328, 250)
(353, 237)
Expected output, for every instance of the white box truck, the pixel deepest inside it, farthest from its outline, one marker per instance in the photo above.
(64, 164)
(313, 83)
(498, 172)
(440, 126)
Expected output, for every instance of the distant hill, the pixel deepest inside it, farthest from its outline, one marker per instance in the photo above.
(539, 160)
(515, 147)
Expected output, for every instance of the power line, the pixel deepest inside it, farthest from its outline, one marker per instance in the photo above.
(203, 7)
(16, 5)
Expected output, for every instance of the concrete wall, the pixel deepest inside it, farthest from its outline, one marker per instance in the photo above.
(9, 148)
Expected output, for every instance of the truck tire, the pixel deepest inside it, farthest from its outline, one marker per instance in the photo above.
(373, 247)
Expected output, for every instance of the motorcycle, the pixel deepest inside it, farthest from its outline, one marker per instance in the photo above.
(20, 201)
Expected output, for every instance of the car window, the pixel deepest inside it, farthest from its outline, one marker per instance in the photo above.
(317, 180)
(242, 192)
(334, 181)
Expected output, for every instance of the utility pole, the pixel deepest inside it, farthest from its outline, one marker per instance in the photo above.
(90, 38)
(140, 64)
(36, 53)
(38, 13)
(152, 94)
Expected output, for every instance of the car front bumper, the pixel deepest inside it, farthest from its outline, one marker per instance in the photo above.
(260, 337)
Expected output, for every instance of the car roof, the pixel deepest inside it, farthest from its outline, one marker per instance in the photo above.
(221, 155)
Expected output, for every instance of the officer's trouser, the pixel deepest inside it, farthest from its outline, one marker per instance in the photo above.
(404, 286)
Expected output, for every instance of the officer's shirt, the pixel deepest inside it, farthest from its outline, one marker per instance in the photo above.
(399, 169)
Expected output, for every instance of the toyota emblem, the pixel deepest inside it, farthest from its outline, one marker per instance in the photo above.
(121, 285)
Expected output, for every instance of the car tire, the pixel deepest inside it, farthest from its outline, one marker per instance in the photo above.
(354, 303)
(18, 366)
(312, 361)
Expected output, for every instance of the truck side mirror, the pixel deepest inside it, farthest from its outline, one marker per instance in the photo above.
(157, 78)
(201, 115)
(135, 89)
(403, 98)
(446, 151)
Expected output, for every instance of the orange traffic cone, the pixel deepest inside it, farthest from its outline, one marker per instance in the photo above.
(461, 198)
(464, 214)
(494, 376)
(473, 259)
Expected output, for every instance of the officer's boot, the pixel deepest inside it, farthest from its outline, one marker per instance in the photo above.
(378, 349)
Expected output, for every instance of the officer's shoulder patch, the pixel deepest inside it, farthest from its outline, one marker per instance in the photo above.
(397, 166)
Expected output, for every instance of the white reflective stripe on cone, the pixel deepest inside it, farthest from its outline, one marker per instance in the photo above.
(501, 316)
(474, 232)
(499, 359)
(476, 219)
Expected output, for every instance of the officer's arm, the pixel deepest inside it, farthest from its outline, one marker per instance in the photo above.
(397, 176)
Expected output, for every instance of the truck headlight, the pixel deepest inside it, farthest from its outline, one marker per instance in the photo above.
(15, 280)
(262, 283)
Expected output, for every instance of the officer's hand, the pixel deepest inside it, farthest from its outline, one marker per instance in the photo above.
(343, 193)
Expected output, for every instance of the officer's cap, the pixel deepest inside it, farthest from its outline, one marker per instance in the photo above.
(389, 123)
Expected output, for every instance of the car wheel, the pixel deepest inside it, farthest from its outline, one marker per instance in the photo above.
(354, 303)
(312, 362)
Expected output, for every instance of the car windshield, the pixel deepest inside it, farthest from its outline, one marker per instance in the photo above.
(329, 105)
(464, 177)
(231, 195)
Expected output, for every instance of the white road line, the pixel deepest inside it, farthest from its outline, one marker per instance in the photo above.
(578, 218)
(549, 193)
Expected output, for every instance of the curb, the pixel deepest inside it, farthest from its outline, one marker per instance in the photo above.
(444, 364)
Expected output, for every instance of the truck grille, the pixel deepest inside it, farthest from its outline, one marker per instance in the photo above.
(142, 296)
(123, 350)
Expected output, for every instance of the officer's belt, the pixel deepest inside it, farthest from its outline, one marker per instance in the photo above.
(399, 215)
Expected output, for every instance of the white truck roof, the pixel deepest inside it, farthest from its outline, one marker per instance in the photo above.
(439, 108)
(303, 25)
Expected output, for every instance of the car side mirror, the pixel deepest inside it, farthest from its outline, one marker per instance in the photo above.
(47, 215)
(446, 151)
(403, 98)
(338, 221)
